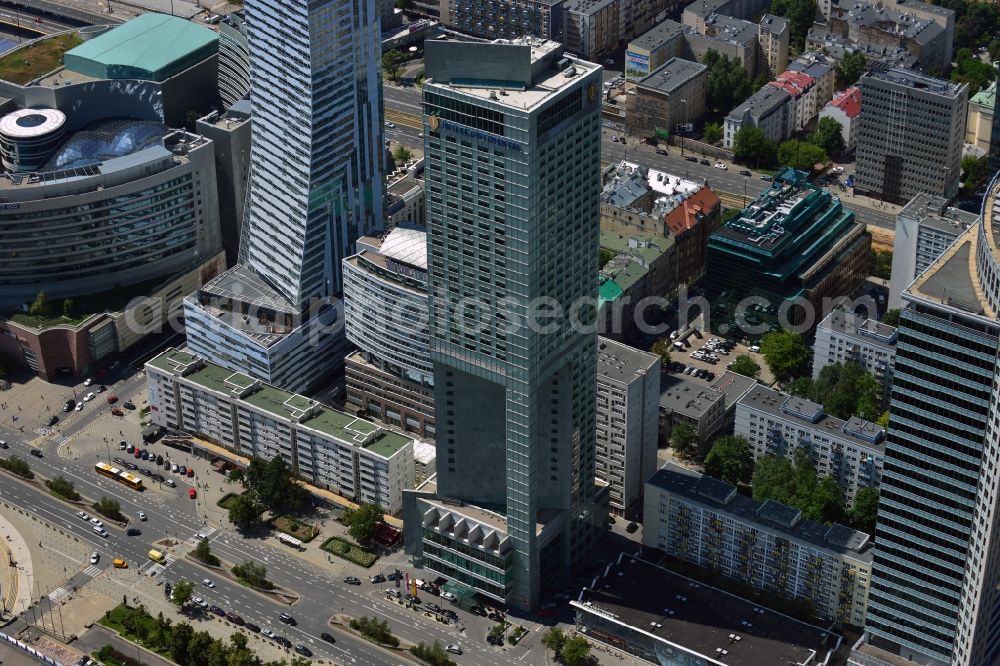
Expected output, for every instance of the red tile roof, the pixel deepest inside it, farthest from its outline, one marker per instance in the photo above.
(691, 211)
(849, 102)
(792, 82)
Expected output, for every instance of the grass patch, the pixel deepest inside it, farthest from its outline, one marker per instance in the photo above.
(349, 551)
(34, 60)
(84, 307)
(227, 500)
(45, 321)
(304, 532)
(109, 656)
(138, 626)
(18, 466)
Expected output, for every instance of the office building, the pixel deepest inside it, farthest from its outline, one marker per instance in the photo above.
(852, 452)
(671, 96)
(979, 122)
(697, 405)
(845, 108)
(271, 316)
(509, 396)
(653, 48)
(794, 246)
(230, 134)
(326, 448)
(501, 19)
(934, 596)
(925, 227)
(769, 109)
(405, 203)
(591, 27)
(773, 34)
(846, 337)
(687, 622)
(765, 545)
(910, 135)
(234, 59)
(390, 377)
(628, 391)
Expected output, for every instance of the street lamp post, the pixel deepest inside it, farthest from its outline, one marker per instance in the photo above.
(745, 179)
(685, 103)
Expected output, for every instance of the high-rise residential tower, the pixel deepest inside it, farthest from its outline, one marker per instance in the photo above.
(315, 185)
(934, 595)
(512, 143)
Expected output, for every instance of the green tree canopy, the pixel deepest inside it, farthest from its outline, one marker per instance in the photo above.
(180, 637)
(392, 63)
(846, 390)
(795, 483)
(361, 522)
(182, 592)
(63, 487)
(891, 317)
(575, 651)
(203, 551)
(850, 69)
(728, 84)
(785, 353)
(109, 508)
(401, 155)
(746, 366)
(684, 440)
(731, 460)
(275, 484)
(662, 349)
(829, 136)
(713, 133)
(554, 639)
(864, 510)
(40, 307)
(253, 574)
(972, 70)
(750, 146)
(245, 511)
(800, 15)
(975, 171)
(881, 263)
(802, 155)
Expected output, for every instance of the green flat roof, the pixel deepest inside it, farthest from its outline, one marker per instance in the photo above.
(150, 46)
(651, 247)
(276, 401)
(169, 360)
(223, 380)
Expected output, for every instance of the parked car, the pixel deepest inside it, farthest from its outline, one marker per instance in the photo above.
(217, 610)
(90, 396)
(479, 610)
(112, 399)
(102, 388)
(70, 404)
(190, 472)
(119, 461)
(691, 158)
(192, 493)
(448, 595)
(128, 404)
(52, 421)
(706, 163)
(754, 348)
(235, 619)
(720, 165)
(250, 626)
(767, 179)
(412, 599)
(130, 466)
(377, 578)
(88, 381)
(303, 650)
(434, 608)
(632, 527)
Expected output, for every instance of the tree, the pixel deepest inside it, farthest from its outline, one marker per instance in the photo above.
(662, 349)
(801, 155)
(850, 69)
(392, 62)
(881, 261)
(759, 82)
(773, 478)
(203, 551)
(253, 574)
(63, 488)
(109, 508)
(864, 510)
(68, 307)
(824, 502)
(361, 522)
(728, 84)
(179, 640)
(245, 511)
(713, 133)
(40, 307)
(800, 15)
(17, 465)
(891, 317)
(604, 255)
(405, 5)
(554, 639)
(401, 155)
(750, 146)
(975, 171)
(684, 440)
(801, 387)
(575, 651)
(846, 390)
(181, 593)
(275, 484)
(973, 71)
(730, 460)
(198, 647)
(785, 353)
(883, 420)
(746, 366)
(829, 136)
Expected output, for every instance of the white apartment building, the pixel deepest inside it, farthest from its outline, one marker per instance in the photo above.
(766, 545)
(845, 108)
(770, 108)
(775, 423)
(628, 395)
(329, 449)
(843, 337)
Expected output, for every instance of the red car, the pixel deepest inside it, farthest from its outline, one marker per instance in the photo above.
(112, 399)
(117, 412)
(138, 453)
(190, 472)
(192, 493)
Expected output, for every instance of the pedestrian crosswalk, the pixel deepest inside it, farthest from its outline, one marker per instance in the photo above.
(204, 533)
(92, 570)
(58, 593)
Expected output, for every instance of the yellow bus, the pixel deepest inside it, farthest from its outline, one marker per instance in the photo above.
(121, 476)
(156, 556)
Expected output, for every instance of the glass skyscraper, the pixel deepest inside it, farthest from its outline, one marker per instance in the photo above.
(315, 186)
(934, 597)
(512, 143)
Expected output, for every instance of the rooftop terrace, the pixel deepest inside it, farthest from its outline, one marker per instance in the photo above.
(677, 611)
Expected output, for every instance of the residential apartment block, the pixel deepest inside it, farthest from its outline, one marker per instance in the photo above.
(765, 545)
(925, 227)
(591, 27)
(728, 36)
(803, 93)
(628, 392)
(778, 424)
(844, 337)
(769, 109)
(642, 266)
(697, 405)
(649, 51)
(328, 449)
(910, 135)
(672, 95)
(500, 19)
(773, 34)
(845, 108)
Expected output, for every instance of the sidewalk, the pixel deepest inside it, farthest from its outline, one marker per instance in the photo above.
(14, 568)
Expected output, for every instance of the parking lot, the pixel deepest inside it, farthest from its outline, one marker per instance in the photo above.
(704, 358)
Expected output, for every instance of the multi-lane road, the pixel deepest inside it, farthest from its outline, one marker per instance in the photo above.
(170, 513)
(403, 110)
